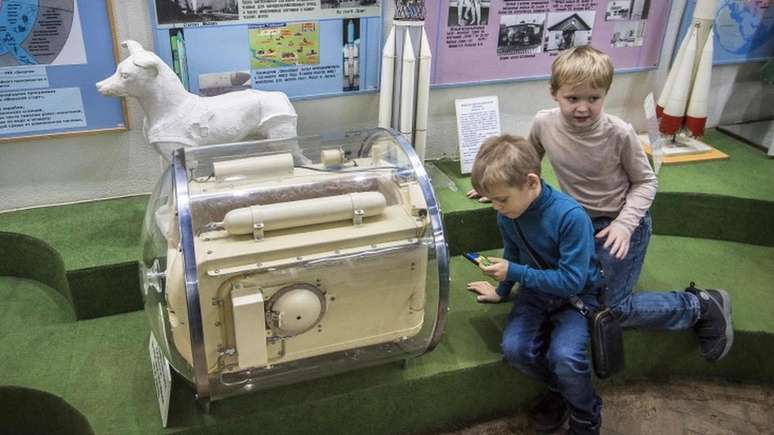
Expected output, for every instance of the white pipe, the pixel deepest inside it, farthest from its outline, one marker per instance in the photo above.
(423, 96)
(408, 81)
(272, 166)
(387, 80)
(294, 214)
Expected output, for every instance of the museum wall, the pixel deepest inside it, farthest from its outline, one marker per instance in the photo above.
(81, 168)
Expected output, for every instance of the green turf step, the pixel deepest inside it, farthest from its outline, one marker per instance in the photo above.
(101, 366)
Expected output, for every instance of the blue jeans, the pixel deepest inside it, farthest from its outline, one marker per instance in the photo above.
(670, 310)
(546, 339)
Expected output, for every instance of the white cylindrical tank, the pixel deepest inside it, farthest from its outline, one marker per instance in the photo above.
(271, 166)
(293, 214)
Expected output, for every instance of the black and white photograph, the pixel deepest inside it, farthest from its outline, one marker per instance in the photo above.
(628, 34)
(468, 12)
(568, 29)
(331, 4)
(618, 10)
(521, 34)
(196, 11)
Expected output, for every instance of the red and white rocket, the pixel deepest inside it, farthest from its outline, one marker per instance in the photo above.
(404, 91)
(684, 98)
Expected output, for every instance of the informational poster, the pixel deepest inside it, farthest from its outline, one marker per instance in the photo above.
(477, 120)
(52, 53)
(181, 13)
(305, 48)
(744, 30)
(481, 40)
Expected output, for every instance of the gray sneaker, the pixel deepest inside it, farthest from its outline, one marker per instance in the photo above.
(714, 329)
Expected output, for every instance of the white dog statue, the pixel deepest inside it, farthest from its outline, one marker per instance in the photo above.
(175, 117)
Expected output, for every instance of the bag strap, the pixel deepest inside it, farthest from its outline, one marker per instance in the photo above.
(575, 301)
(535, 257)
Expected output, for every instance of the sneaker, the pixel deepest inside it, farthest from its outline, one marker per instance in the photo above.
(548, 413)
(714, 329)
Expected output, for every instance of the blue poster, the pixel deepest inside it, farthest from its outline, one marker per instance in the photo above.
(744, 30)
(312, 55)
(52, 52)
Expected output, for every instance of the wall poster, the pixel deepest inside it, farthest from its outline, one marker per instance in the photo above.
(744, 30)
(52, 52)
(514, 39)
(305, 48)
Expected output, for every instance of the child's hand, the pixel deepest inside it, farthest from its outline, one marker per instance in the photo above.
(485, 292)
(617, 240)
(498, 270)
(472, 194)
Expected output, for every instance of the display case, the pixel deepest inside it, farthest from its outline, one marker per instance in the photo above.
(273, 262)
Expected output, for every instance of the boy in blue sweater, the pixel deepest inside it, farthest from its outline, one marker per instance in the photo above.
(549, 250)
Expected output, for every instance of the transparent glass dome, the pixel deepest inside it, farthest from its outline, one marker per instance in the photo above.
(272, 262)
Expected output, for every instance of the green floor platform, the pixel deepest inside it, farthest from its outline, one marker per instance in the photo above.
(99, 364)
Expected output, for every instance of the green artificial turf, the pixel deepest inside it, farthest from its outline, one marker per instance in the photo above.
(86, 234)
(101, 366)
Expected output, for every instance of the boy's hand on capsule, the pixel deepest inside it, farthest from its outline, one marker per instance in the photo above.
(616, 240)
(472, 194)
(497, 270)
(485, 292)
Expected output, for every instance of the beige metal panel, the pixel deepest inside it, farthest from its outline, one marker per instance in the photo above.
(218, 249)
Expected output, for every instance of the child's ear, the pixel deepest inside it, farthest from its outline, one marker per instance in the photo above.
(553, 94)
(533, 180)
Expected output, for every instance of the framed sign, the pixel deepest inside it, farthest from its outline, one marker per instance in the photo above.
(487, 40)
(304, 48)
(52, 52)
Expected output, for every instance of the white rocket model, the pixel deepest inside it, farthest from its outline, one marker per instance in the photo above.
(351, 57)
(684, 98)
(405, 83)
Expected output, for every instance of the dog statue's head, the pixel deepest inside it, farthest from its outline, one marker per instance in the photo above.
(134, 75)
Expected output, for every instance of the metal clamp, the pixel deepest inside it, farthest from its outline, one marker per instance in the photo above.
(357, 217)
(258, 231)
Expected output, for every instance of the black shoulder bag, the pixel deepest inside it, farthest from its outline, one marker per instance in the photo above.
(607, 351)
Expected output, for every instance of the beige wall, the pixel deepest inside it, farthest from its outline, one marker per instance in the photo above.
(45, 172)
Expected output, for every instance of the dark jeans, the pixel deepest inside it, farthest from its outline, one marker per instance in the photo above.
(671, 310)
(546, 339)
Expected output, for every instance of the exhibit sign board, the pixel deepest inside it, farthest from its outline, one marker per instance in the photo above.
(53, 53)
(162, 378)
(305, 48)
(477, 120)
(487, 40)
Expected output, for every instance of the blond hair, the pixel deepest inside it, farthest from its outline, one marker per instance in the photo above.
(504, 161)
(582, 65)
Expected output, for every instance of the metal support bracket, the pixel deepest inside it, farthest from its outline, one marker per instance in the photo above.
(258, 231)
(357, 217)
